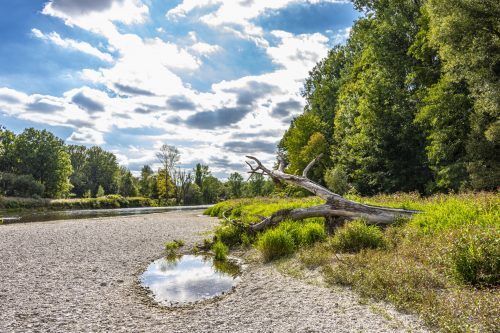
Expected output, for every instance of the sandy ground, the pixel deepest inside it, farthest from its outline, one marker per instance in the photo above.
(81, 276)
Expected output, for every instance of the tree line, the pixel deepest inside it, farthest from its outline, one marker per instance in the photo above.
(36, 163)
(410, 103)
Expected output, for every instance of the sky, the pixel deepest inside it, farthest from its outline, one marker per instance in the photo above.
(217, 79)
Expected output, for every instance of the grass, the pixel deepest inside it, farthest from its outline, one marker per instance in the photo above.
(109, 201)
(357, 235)
(173, 246)
(220, 251)
(442, 264)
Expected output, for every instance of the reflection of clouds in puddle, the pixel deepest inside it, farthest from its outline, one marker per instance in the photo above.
(190, 279)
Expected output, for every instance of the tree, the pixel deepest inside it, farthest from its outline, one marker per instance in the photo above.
(169, 157)
(102, 169)
(78, 178)
(128, 187)
(200, 172)
(7, 150)
(145, 181)
(305, 131)
(43, 156)
(183, 181)
(211, 189)
(466, 34)
(235, 185)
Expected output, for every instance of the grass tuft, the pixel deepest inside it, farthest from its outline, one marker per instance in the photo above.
(220, 251)
(357, 235)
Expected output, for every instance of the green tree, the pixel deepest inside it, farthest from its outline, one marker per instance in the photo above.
(145, 181)
(211, 189)
(200, 172)
(168, 156)
(235, 185)
(466, 34)
(102, 169)
(128, 186)
(303, 141)
(7, 150)
(43, 156)
(78, 178)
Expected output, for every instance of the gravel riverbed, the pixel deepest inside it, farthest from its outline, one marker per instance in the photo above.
(81, 276)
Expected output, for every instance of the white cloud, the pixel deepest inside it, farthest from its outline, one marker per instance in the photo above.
(66, 43)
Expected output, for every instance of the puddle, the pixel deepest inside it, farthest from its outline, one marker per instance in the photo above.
(186, 279)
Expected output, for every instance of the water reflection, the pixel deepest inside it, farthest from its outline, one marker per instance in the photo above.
(177, 280)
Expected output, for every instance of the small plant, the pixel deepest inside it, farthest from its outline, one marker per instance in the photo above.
(357, 235)
(220, 251)
(228, 234)
(312, 233)
(316, 256)
(174, 245)
(275, 243)
(476, 258)
(246, 240)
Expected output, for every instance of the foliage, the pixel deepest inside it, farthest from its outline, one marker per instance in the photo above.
(476, 257)
(235, 184)
(109, 201)
(410, 103)
(220, 251)
(275, 243)
(427, 260)
(336, 180)
(250, 210)
(100, 192)
(20, 185)
(173, 246)
(357, 235)
(43, 156)
(228, 234)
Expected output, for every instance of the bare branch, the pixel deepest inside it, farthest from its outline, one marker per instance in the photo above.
(310, 165)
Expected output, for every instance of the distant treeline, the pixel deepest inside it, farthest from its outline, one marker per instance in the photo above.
(38, 164)
(410, 103)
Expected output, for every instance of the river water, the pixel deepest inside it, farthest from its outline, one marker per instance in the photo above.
(51, 215)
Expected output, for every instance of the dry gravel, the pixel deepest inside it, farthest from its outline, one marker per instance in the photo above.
(81, 276)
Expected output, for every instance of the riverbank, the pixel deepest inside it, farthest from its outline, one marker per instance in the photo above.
(81, 276)
(106, 202)
(442, 264)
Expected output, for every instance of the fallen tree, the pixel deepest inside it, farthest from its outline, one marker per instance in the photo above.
(336, 210)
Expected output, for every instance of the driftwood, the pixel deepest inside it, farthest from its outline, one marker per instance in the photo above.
(336, 210)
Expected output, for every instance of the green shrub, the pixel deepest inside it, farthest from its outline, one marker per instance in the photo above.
(357, 235)
(316, 256)
(275, 243)
(220, 251)
(20, 185)
(476, 257)
(311, 233)
(228, 234)
(246, 240)
(173, 245)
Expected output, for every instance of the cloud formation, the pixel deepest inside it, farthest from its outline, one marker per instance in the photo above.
(159, 81)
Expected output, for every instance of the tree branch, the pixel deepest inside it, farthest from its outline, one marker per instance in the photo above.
(310, 165)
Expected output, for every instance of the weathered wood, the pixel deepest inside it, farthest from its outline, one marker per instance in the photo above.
(336, 206)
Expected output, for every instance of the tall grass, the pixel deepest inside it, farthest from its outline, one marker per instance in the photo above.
(442, 264)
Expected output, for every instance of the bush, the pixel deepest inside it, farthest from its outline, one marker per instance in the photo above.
(275, 243)
(20, 185)
(357, 235)
(476, 257)
(228, 234)
(172, 246)
(220, 251)
(311, 233)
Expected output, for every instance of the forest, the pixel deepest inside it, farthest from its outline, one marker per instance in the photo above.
(410, 103)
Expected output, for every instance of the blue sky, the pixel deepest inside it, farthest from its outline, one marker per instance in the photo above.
(218, 79)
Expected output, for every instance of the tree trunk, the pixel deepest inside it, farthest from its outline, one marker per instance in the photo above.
(336, 210)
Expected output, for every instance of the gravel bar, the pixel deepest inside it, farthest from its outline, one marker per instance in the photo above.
(82, 276)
